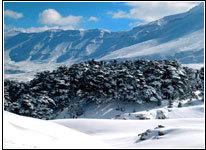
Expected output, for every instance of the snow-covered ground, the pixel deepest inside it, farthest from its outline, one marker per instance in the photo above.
(179, 133)
(133, 111)
(194, 66)
(24, 132)
(182, 128)
(29, 69)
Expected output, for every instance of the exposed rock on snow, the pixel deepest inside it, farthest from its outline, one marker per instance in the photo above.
(161, 114)
(155, 133)
(145, 116)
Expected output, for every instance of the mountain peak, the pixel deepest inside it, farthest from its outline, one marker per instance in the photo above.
(198, 8)
(73, 45)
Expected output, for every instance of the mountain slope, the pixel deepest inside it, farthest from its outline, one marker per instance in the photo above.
(182, 34)
(190, 46)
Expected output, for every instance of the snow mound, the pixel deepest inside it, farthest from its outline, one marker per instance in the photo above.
(177, 133)
(184, 128)
(24, 132)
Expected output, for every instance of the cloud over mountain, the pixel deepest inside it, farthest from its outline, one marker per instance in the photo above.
(51, 17)
(152, 11)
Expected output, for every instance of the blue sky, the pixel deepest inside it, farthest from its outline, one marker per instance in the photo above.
(114, 16)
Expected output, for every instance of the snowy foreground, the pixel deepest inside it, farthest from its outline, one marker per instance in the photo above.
(24, 132)
(184, 128)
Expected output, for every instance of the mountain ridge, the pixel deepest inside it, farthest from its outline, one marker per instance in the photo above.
(59, 46)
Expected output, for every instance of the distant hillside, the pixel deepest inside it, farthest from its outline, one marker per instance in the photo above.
(179, 36)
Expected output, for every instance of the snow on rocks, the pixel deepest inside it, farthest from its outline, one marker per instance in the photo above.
(161, 114)
(155, 133)
(145, 116)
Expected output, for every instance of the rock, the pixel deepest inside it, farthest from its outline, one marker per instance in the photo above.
(117, 116)
(143, 116)
(145, 135)
(161, 114)
(179, 104)
(159, 126)
(161, 133)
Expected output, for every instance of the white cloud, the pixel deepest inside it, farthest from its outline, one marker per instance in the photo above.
(120, 14)
(9, 28)
(51, 17)
(150, 11)
(13, 14)
(92, 18)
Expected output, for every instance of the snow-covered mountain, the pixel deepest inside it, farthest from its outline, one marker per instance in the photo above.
(179, 36)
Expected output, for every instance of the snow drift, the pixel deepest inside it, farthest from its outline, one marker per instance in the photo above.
(24, 132)
(184, 128)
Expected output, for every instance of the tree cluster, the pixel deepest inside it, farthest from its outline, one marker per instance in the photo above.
(138, 81)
